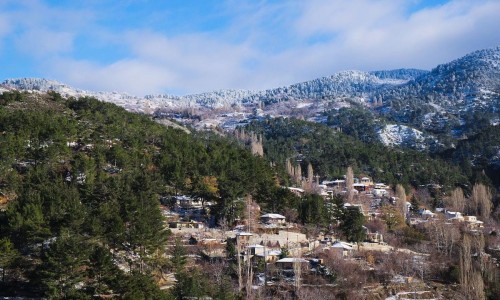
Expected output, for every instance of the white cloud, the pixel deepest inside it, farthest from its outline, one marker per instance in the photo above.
(43, 42)
(194, 63)
(132, 76)
(381, 34)
(264, 45)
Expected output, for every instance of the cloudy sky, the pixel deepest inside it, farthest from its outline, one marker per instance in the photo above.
(188, 46)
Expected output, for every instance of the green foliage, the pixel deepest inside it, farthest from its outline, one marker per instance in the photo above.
(8, 255)
(392, 217)
(331, 152)
(357, 122)
(9, 97)
(84, 180)
(191, 284)
(284, 252)
(178, 259)
(313, 210)
(62, 268)
(477, 155)
(415, 205)
(352, 225)
(411, 236)
(140, 286)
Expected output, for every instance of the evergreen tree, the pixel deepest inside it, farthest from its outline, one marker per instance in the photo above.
(352, 225)
(178, 259)
(62, 270)
(8, 255)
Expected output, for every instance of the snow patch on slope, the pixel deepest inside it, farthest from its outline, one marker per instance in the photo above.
(403, 136)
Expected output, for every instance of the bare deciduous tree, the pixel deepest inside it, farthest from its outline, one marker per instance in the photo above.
(256, 145)
(310, 176)
(298, 174)
(471, 280)
(349, 183)
(481, 200)
(401, 201)
(456, 201)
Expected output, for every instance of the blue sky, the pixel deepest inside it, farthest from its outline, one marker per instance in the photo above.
(187, 46)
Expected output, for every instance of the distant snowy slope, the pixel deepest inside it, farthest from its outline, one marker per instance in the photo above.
(399, 74)
(477, 73)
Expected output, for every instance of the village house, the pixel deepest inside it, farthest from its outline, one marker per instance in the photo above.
(379, 192)
(187, 202)
(341, 249)
(427, 214)
(373, 237)
(360, 187)
(367, 181)
(243, 238)
(358, 207)
(335, 185)
(275, 219)
(297, 191)
(454, 216)
(186, 224)
(255, 249)
(473, 222)
(289, 263)
(269, 256)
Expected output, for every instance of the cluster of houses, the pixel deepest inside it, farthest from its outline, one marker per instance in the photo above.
(451, 217)
(364, 185)
(277, 243)
(281, 249)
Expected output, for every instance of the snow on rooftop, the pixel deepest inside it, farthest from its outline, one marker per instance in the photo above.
(291, 260)
(273, 216)
(342, 245)
(244, 234)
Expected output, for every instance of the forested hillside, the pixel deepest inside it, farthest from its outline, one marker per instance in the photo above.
(80, 183)
(330, 152)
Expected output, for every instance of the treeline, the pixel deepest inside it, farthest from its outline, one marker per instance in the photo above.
(80, 183)
(330, 152)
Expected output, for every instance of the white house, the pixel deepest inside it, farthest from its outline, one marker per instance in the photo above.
(341, 249)
(454, 216)
(473, 222)
(379, 192)
(256, 249)
(273, 219)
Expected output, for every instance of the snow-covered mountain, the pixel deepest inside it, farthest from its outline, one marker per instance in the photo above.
(451, 97)
(342, 84)
(446, 100)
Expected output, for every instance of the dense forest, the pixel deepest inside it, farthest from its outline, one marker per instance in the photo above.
(80, 181)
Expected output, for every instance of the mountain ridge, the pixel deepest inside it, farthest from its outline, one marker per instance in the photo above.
(448, 100)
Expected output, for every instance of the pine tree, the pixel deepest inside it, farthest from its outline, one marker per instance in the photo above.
(62, 265)
(8, 254)
(352, 226)
(178, 259)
